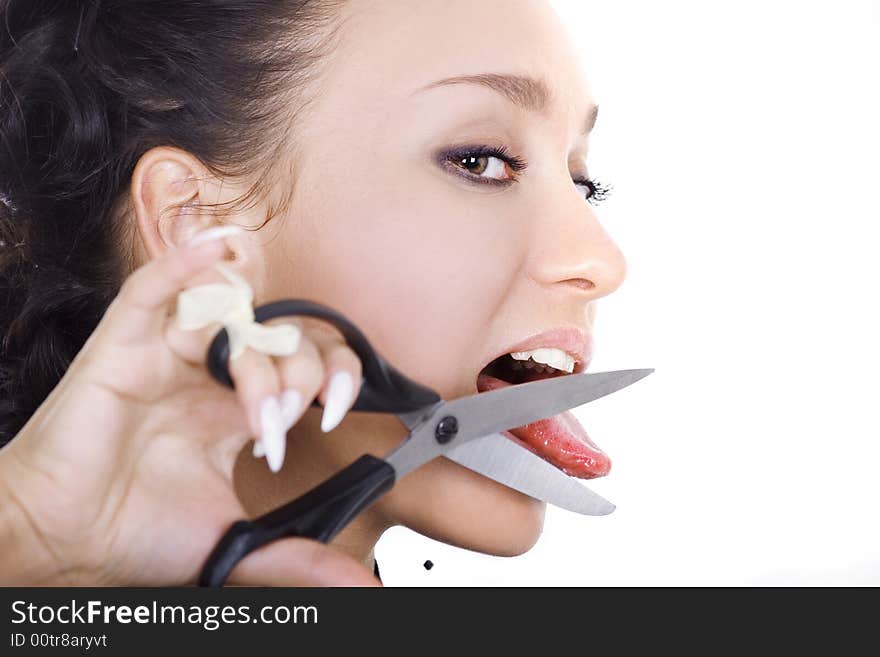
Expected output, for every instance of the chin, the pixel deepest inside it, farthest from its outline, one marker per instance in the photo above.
(516, 539)
(450, 503)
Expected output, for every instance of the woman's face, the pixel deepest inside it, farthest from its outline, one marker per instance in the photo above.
(444, 262)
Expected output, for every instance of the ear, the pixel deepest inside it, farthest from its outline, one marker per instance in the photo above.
(168, 187)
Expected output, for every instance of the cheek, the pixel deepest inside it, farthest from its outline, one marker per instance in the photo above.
(425, 279)
(422, 279)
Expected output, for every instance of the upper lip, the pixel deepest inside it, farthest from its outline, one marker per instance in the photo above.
(572, 340)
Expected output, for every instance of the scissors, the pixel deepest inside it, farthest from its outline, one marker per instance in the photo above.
(466, 429)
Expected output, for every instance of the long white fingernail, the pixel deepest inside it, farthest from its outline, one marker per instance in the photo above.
(215, 233)
(259, 451)
(273, 434)
(338, 399)
(291, 403)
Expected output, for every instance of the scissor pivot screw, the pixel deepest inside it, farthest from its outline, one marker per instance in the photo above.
(446, 429)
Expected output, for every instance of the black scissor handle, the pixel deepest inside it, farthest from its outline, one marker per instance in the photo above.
(320, 514)
(323, 511)
(384, 390)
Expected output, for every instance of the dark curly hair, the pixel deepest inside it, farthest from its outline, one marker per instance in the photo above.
(86, 88)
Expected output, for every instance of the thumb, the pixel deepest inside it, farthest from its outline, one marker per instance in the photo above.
(300, 562)
(139, 311)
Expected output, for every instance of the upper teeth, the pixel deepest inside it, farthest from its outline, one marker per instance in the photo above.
(549, 356)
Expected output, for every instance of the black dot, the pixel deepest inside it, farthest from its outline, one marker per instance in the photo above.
(429, 564)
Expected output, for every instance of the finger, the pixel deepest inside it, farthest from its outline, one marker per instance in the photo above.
(302, 375)
(343, 378)
(258, 386)
(190, 345)
(300, 562)
(343, 371)
(139, 310)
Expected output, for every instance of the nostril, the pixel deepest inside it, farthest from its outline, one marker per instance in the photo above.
(581, 283)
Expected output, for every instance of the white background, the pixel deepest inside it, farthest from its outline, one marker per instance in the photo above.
(742, 142)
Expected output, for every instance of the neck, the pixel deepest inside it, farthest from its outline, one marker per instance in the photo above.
(312, 457)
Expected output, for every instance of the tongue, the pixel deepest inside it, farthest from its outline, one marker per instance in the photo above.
(560, 439)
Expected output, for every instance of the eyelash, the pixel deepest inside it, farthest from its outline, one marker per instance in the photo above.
(598, 191)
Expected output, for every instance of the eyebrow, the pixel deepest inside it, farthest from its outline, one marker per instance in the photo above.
(529, 93)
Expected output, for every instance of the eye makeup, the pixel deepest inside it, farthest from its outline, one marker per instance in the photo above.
(461, 158)
(596, 191)
(464, 160)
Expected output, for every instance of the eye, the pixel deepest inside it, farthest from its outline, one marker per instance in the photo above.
(596, 191)
(489, 165)
(485, 164)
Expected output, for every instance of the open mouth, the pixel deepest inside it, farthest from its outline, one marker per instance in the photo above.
(560, 439)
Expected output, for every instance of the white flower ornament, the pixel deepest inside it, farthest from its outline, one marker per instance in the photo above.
(231, 305)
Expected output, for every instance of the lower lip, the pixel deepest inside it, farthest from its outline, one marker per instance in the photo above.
(560, 440)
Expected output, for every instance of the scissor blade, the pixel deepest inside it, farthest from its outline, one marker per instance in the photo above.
(499, 458)
(500, 410)
(517, 405)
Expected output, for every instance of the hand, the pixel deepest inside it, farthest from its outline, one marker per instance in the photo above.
(124, 474)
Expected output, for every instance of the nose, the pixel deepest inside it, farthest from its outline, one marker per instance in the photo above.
(570, 249)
